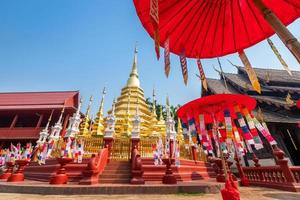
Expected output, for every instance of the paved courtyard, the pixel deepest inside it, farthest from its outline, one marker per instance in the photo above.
(255, 193)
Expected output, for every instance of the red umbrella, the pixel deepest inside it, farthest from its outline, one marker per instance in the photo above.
(213, 28)
(215, 104)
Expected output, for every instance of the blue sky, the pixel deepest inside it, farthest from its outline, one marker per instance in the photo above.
(50, 45)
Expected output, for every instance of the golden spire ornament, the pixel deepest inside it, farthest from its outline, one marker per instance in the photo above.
(98, 126)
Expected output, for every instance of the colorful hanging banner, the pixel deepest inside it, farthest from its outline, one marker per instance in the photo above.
(258, 143)
(184, 68)
(202, 75)
(250, 71)
(185, 132)
(192, 130)
(206, 143)
(167, 57)
(154, 17)
(238, 142)
(228, 124)
(263, 129)
(246, 133)
(276, 52)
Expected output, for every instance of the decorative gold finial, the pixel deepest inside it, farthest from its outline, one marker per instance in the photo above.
(133, 80)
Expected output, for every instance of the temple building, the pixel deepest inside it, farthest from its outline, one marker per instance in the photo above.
(276, 105)
(24, 114)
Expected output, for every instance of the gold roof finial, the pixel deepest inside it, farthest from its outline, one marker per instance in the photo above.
(153, 102)
(102, 101)
(133, 80)
(89, 107)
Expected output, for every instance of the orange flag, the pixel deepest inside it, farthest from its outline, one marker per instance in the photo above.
(250, 71)
(155, 23)
(184, 69)
(167, 57)
(202, 75)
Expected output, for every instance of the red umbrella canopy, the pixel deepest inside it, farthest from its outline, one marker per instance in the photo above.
(213, 28)
(215, 104)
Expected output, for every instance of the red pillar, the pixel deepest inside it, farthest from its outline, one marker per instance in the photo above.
(13, 123)
(38, 125)
(194, 153)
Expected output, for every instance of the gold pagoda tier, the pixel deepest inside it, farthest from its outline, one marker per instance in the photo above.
(132, 96)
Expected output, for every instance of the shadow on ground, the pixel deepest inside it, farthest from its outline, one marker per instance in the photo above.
(285, 196)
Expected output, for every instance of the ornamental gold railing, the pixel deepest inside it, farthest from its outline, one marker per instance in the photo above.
(146, 146)
(92, 145)
(121, 149)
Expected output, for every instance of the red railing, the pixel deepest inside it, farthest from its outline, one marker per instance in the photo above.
(267, 174)
(94, 168)
(280, 176)
(296, 173)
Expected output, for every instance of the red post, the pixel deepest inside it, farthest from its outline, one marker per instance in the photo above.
(255, 160)
(169, 177)
(219, 170)
(61, 177)
(13, 123)
(194, 153)
(171, 148)
(8, 172)
(18, 176)
(283, 163)
(244, 179)
(38, 125)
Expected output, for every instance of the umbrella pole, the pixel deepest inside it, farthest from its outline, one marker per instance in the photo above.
(220, 150)
(284, 34)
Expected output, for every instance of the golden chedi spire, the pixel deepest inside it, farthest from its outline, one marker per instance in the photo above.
(98, 126)
(126, 106)
(133, 80)
(85, 125)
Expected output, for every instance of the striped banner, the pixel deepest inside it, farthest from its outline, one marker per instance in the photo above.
(154, 16)
(167, 57)
(184, 68)
(202, 75)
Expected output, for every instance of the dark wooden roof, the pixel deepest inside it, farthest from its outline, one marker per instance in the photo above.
(276, 76)
(273, 96)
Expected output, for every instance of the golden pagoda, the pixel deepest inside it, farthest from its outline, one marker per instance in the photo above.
(85, 124)
(98, 126)
(132, 96)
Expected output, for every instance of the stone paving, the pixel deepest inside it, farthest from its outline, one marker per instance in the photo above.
(249, 193)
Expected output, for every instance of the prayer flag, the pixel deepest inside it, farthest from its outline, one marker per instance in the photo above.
(154, 16)
(167, 57)
(246, 133)
(258, 143)
(250, 71)
(202, 75)
(184, 69)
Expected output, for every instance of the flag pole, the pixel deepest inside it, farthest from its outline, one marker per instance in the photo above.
(284, 34)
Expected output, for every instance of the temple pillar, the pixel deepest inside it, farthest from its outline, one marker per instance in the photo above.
(13, 123)
(284, 34)
(38, 125)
